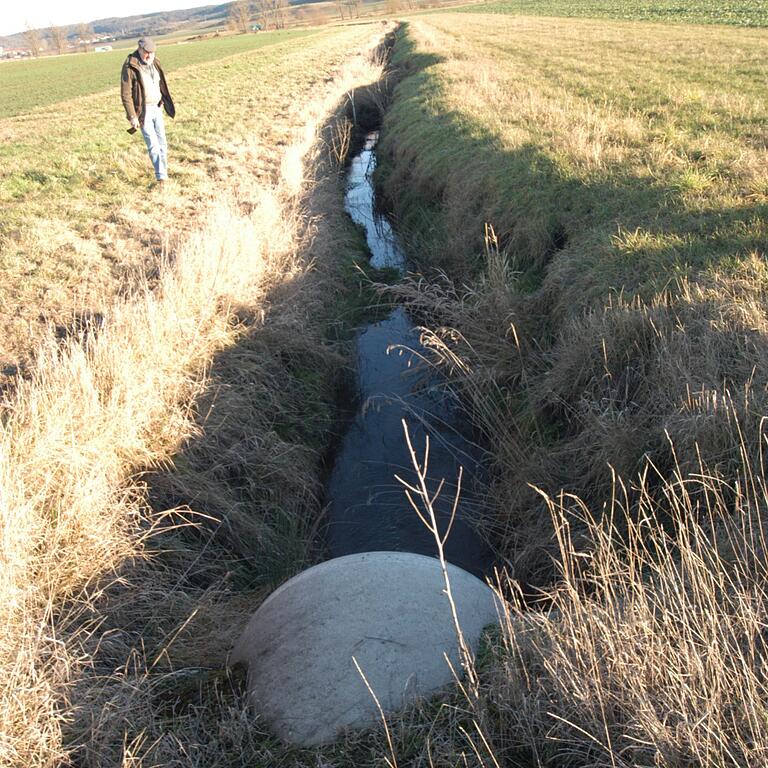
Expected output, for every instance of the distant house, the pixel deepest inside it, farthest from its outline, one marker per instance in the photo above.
(16, 53)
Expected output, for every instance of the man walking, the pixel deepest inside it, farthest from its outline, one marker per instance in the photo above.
(144, 93)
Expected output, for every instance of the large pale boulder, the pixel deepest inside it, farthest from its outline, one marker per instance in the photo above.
(387, 610)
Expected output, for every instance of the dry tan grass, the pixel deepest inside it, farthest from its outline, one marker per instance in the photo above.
(85, 559)
(615, 328)
(654, 650)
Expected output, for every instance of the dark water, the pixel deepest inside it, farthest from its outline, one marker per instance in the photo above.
(368, 507)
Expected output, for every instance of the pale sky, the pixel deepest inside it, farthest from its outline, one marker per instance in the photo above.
(15, 15)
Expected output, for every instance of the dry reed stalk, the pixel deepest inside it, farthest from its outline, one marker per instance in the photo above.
(657, 654)
(423, 504)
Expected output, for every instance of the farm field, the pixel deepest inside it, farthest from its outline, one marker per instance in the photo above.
(611, 335)
(646, 142)
(743, 13)
(72, 181)
(30, 84)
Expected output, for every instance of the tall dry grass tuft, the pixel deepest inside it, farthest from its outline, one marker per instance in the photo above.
(654, 652)
(94, 412)
(97, 587)
(652, 649)
(614, 387)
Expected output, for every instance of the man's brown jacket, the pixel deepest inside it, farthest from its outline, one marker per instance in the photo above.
(132, 89)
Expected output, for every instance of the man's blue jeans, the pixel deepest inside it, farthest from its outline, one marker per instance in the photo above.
(153, 131)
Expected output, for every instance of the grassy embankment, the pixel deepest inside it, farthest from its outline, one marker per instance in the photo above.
(613, 342)
(159, 467)
(74, 184)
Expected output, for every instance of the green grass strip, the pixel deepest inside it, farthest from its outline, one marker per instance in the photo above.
(742, 13)
(30, 84)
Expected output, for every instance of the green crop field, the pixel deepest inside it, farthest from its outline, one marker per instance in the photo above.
(27, 85)
(747, 13)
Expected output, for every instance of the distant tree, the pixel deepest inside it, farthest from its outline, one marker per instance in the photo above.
(84, 33)
(340, 4)
(271, 13)
(240, 15)
(264, 13)
(279, 9)
(58, 38)
(32, 39)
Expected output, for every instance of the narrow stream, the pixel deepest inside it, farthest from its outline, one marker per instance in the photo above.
(368, 509)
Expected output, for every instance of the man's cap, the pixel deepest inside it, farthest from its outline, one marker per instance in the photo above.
(148, 44)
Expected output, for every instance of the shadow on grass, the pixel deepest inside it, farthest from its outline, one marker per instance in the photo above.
(446, 176)
(590, 386)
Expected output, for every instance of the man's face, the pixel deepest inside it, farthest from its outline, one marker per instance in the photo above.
(146, 56)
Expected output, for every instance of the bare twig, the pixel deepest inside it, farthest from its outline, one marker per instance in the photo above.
(423, 503)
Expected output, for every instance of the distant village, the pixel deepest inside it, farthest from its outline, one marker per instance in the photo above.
(47, 44)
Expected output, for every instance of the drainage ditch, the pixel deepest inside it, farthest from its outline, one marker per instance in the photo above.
(367, 506)
(374, 617)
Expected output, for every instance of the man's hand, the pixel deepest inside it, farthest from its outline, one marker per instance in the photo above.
(135, 123)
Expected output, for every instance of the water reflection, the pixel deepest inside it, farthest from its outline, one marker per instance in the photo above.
(368, 507)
